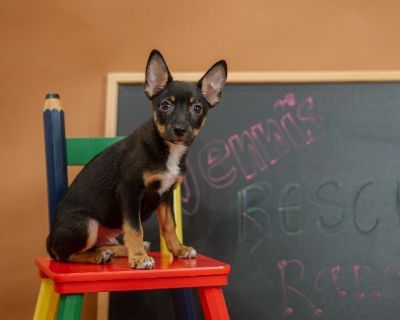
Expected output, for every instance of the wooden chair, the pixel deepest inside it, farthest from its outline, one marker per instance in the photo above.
(64, 284)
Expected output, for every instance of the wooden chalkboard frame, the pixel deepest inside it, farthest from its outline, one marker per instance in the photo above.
(114, 79)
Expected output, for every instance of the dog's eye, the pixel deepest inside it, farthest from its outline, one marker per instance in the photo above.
(197, 109)
(165, 106)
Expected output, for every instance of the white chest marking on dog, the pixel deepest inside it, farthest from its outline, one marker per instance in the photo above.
(168, 178)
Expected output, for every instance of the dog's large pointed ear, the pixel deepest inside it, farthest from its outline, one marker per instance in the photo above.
(157, 74)
(213, 81)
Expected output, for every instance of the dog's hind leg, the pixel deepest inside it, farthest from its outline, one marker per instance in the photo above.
(73, 239)
(90, 253)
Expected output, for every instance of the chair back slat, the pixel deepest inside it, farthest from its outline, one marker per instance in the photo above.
(81, 150)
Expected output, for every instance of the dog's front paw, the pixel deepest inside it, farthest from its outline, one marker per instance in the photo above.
(185, 252)
(104, 256)
(141, 262)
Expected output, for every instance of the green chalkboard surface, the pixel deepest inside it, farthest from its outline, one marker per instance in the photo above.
(297, 186)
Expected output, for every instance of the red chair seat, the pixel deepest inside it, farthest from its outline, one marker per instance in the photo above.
(71, 278)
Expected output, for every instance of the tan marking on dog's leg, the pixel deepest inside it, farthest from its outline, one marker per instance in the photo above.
(167, 226)
(137, 256)
(92, 229)
(118, 250)
(99, 255)
(89, 257)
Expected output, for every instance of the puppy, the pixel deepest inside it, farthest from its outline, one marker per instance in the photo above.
(123, 185)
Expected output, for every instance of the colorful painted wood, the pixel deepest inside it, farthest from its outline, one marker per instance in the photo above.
(47, 302)
(213, 303)
(82, 150)
(205, 274)
(70, 307)
(56, 159)
(199, 272)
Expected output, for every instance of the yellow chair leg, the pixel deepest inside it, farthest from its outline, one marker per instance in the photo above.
(47, 302)
(178, 222)
(178, 212)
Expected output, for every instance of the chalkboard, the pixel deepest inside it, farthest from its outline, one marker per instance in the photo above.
(297, 186)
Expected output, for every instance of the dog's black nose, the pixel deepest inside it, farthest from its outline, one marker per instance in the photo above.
(179, 130)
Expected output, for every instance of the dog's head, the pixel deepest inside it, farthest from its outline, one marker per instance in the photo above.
(180, 108)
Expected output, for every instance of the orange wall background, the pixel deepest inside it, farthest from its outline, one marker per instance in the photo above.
(70, 46)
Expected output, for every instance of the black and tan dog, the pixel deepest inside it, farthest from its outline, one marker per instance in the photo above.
(123, 185)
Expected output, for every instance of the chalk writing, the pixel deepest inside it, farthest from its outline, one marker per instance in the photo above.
(293, 125)
(262, 204)
(248, 213)
(355, 216)
(287, 100)
(216, 165)
(289, 210)
(298, 290)
(329, 228)
(356, 270)
(335, 278)
(247, 154)
(290, 200)
(287, 309)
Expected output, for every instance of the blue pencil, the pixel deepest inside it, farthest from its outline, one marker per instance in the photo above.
(56, 155)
